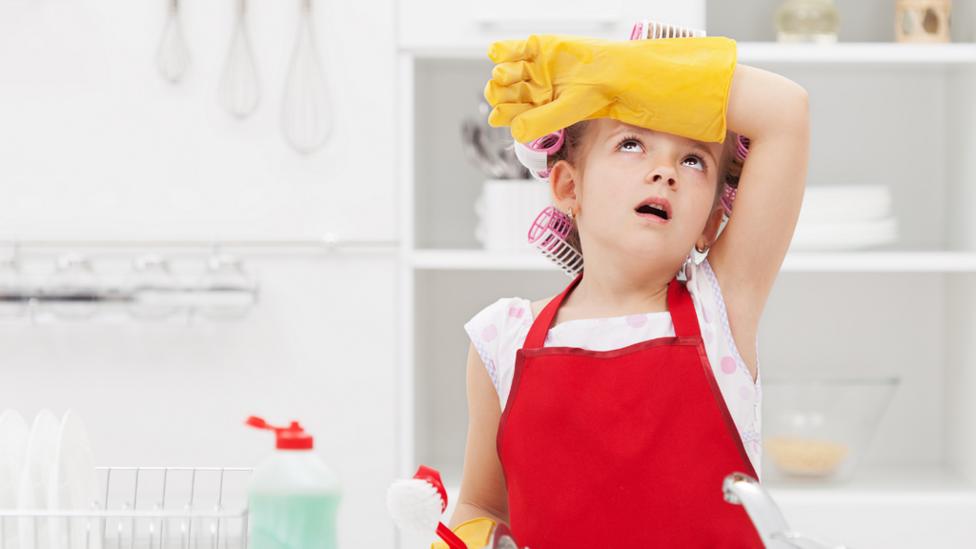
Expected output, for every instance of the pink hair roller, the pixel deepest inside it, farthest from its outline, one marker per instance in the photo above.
(535, 154)
(732, 181)
(548, 233)
(650, 30)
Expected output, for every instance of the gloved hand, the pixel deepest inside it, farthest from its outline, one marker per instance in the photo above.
(475, 533)
(549, 82)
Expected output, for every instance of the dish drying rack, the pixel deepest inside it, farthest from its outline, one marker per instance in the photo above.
(143, 508)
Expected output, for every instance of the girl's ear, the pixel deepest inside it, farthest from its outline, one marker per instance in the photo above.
(563, 179)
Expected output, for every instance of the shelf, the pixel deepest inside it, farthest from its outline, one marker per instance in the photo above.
(866, 91)
(858, 53)
(480, 260)
(912, 485)
(845, 53)
(839, 262)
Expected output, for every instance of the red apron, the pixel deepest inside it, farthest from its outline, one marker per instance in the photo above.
(621, 448)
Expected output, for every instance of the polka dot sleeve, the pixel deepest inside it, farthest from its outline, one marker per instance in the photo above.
(483, 330)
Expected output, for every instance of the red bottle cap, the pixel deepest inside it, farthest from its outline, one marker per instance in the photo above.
(292, 437)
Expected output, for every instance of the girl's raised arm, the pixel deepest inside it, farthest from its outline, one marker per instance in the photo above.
(773, 112)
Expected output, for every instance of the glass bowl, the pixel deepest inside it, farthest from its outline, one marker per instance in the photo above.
(818, 429)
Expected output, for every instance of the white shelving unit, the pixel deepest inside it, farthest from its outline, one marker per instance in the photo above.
(852, 53)
(890, 113)
(798, 262)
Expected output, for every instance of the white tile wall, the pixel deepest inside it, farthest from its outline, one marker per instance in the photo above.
(319, 348)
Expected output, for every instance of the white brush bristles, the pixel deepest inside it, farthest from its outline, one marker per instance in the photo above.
(415, 505)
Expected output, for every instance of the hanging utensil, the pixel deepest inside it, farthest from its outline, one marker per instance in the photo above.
(239, 90)
(75, 280)
(172, 57)
(490, 148)
(478, 154)
(306, 114)
(472, 150)
(11, 278)
(499, 143)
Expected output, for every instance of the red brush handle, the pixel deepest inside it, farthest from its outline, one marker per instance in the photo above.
(450, 537)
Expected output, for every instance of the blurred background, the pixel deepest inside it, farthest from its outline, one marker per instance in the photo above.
(289, 209)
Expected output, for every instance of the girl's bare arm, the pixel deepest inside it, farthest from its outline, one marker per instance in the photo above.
(483, 492)
(773, 112)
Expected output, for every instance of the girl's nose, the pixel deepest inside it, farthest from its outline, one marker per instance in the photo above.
(662, 173)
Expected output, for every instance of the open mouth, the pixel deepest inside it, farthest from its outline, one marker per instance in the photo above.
(653, 209)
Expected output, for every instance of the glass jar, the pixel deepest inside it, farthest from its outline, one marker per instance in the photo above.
(807, 21)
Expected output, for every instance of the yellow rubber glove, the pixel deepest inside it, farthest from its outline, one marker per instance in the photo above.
(549, 82)
(475, 533)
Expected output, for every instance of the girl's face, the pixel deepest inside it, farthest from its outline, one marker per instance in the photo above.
(625, 165)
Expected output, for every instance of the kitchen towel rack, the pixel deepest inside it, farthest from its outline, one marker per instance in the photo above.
(185, 295)
(152, 290)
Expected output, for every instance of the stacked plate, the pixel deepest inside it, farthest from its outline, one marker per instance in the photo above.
(845, 217)
(49, 467)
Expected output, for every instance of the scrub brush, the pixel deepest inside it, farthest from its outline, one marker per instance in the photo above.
(416, 505)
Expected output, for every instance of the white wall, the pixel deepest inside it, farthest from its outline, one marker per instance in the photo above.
(96, 145)
(94, 139)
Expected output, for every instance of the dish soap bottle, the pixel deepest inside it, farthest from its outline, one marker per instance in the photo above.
(293, 497)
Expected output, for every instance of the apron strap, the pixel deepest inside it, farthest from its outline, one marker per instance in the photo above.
(537, 333)
(679, 304)
(682, 309)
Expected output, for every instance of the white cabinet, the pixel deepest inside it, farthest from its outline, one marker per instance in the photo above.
(901, 115)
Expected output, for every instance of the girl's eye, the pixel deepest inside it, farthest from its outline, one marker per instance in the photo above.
(628, 139)
(634, 139)
(696, 158)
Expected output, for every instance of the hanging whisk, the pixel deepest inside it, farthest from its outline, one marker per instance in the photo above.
(172, 57)
(239, 89)
(306, 112)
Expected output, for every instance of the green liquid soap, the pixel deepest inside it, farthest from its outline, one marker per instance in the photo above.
(293, 521)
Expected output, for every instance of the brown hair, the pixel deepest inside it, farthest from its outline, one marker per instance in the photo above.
(574, 152)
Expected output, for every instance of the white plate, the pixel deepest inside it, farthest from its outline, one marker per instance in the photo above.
(845, 203)
(72, 486)
(844, 236)
(13, 450)
(33, 490)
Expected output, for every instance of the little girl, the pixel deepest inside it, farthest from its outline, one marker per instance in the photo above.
(608, 415)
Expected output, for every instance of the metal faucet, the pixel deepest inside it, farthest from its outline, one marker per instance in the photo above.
(737, 489)
(502, 538)
(741, 489)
